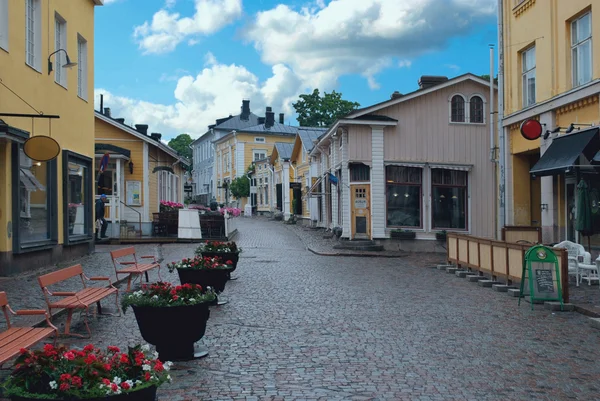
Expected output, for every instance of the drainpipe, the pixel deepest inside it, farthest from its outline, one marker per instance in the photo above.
(491, 104)
(502, 138)
(272, 185)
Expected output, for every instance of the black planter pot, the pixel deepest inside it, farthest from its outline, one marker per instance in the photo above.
(225, 256)
(146, 394)
(215, 278)
(403, 235)
(173, 330)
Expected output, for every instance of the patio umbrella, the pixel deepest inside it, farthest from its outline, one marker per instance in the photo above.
(583, 222)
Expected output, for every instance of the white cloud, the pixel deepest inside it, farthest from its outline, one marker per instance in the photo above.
(170, 3)
(215, 92)
(178, 73)
(452, 67)
(167, 30)
(322, 43)
(404, 63)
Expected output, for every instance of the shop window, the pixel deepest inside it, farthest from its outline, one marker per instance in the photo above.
(449, 199)
(359, 172)
(403, 196)
(34, 202)
(77, 197)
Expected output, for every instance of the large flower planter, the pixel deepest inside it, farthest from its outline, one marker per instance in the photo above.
(215, 278)
(173, 330)
(146, 394)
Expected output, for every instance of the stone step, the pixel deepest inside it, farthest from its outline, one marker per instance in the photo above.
(373, 248)
(487, 283)
(502, 287)
(461, 273)
(444, 266)
(595, 322)
(475, 277)
(451, 270)
(555, 306)
(514, 292)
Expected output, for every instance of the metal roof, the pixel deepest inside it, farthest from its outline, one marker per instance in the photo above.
(310, 136)
(236, 123)
(284, 150)
(277, 128)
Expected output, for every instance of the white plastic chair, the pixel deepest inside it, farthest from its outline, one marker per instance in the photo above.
(576, 267)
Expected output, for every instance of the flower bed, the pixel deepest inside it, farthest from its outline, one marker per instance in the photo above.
(60, 373)
(232, 211)
(167, 206)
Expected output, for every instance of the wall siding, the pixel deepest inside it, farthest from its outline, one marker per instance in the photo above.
(359, 143)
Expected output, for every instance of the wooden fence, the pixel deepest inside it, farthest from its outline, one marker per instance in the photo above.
(522, 233)
(499, 260)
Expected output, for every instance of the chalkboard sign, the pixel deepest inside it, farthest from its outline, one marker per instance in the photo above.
(544, 281)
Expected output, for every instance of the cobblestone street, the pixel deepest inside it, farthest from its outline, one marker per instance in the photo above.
(299, 326)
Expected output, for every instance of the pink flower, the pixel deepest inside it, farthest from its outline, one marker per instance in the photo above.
(69, 355)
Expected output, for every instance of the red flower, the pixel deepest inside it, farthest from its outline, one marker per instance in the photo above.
(65, 377)
(114, 387)
(229, 262)
(88, 348)
(106, 382)
(91, 358)
(23, 351)
(175, 297)
(125, 386)
(76, 381)
(107, 366)
(64, 386)
(173, 292)
(69, 355)
(147, 376)
(112, 348)
(48, 348)
(158, 366)
(124, 358)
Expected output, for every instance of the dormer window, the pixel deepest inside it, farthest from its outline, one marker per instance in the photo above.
(457, 109)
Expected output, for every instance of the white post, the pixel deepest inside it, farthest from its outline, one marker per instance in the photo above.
(378, 198)
(285, 189)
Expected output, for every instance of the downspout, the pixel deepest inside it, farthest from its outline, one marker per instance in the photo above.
(502, 138)
(492, 158)
(271, 186)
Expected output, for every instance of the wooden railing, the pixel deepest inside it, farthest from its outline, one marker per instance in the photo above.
(522, 233)
(499, 260)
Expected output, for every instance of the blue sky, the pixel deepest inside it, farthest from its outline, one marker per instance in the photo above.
(177, 65)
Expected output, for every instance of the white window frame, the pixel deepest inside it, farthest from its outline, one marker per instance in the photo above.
(466, 109)
(82, 67)
(4, 24)
(258, 152)
(259, 139)
(577, 45)
(60, 42)
(33, 34)
(468, 112)
(528, 72)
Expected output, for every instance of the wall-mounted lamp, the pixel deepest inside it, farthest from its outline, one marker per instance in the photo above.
(554, 131)
(544, 206)
(130, 167)
(68, 64)
(572, 127)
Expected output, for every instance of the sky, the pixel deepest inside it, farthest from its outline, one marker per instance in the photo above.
(178, 65)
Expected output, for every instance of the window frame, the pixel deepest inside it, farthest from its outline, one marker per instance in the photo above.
(260, 139)
(355, 175)
(33, 28)
(51, 205)
(421, 225)
(483, 102)
(466, 202)
(258, 152)
(526, 74)
(60, 42)
(575, 48)
(464, 103)
(4, 25)
(82, 67)
(70, 156)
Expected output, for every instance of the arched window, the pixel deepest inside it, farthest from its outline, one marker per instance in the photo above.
(476, 110)
(457, 109)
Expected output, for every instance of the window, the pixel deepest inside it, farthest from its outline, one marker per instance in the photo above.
(457, 109)
(581, 49)
(476, 110)
(60, 42)
(4, 24)
(33, 39)
(449, 199)
(260, 155)
(266, 194)
(403, 196)
(528, 73)
(34, 202)
(82, 68)
(259, 139)
(359, 172)
(77, 197)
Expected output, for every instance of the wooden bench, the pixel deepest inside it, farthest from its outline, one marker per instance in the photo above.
(76, 300)
(15, 338)
(133, 268)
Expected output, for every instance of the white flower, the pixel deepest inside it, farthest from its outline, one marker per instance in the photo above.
(146, 368)
(117, 380)
(167, 365)
(138, 293)
(169, 378)
(146, 347)
(155, 297)
(192, 300)
(53, 385)
(130, 382)
(138, 382)
(155, 355)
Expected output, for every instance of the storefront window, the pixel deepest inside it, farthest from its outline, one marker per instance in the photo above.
(449, 199)
(78, 199)
(34, 201)
(403, 196)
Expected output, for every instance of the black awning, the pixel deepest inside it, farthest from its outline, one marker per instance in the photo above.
(565, 150)
(106, 147)
(12, 133)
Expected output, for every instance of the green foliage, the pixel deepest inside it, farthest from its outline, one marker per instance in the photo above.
(322, 111)
(181, 144)
(166, 295)
(240, 187)
(486, 77)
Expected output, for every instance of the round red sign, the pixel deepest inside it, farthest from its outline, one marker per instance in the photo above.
(531, 129)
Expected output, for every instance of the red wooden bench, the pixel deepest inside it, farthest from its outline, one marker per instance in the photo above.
(15, 338)
(76, 300)
(133, 268)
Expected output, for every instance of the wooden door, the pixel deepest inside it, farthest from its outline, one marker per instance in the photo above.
(361, 211)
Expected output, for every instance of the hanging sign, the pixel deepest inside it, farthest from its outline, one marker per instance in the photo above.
(41, 148)
(540, 270)
(531, 129)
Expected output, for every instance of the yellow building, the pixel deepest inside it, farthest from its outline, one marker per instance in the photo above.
(46, 207)
(283, 179)
(552, 75)
(238, 149)
(263, 174)
(141, 172)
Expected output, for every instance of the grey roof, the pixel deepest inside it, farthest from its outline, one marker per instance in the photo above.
(236, 123)
(277, 128)
(310, 136)
(284, 150)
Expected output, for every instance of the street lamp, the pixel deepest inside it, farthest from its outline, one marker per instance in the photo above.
(68, 64)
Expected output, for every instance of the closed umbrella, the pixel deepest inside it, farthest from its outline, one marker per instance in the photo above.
(583, 222)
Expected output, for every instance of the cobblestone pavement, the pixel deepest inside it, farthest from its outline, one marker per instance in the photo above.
(304, 327)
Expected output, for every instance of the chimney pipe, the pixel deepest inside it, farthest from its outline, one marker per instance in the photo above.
(281, 118)
(101, 103)
(261, 120)
(269, 118)
(269, 109)
(427, 81)
(245, 110)
(120, 120)
(107, 111)
(156, 136)
(142, 128)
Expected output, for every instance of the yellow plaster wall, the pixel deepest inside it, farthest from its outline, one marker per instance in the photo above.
(522, 191)
(75, 129)
(585, 111)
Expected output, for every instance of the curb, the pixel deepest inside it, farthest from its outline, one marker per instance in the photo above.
(358, 255)
(586, 311)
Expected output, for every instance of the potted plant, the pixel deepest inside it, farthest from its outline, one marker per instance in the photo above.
(167, 206)
(171, 317)
(403, 234)
(228, 251)
(60, 373)
(205, 271)
(441, 235)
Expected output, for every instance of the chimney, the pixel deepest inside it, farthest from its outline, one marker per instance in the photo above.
(156, 136)
(269, 118)
(245, 110)
(396, 95)
(261, 120)
(120, 120)
(142, 128)
(107, 111)
(281, 118)
(427, 81)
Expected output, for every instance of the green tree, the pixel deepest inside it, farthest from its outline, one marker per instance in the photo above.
(315, 110)
(181, 144)
(486, 77)
(240, 187)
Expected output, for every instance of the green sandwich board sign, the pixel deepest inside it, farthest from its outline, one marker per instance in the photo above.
(540, 268)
